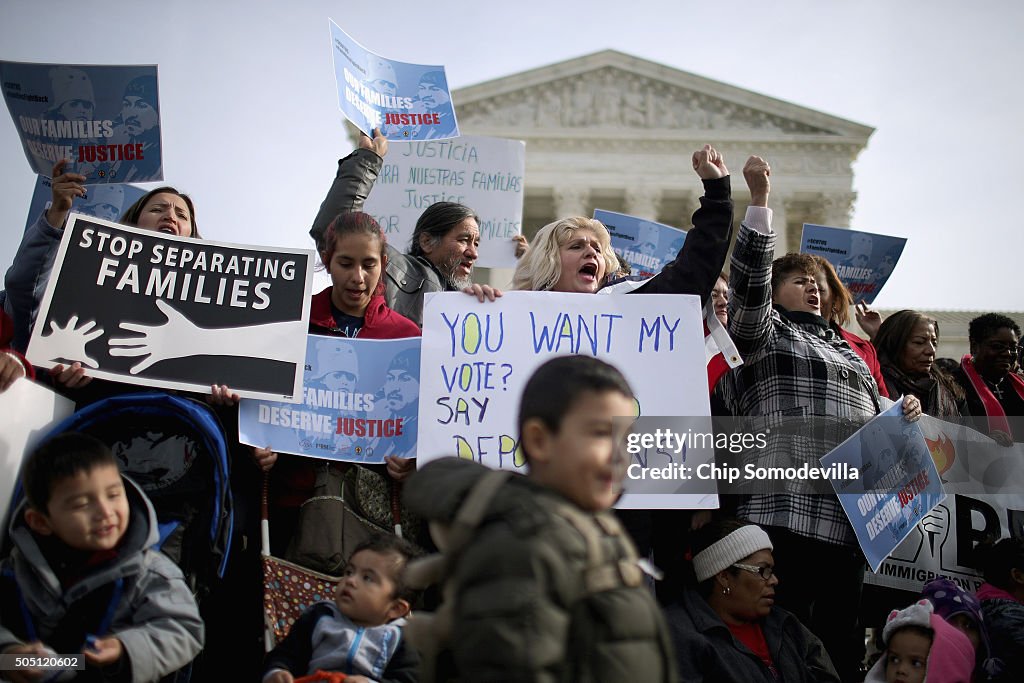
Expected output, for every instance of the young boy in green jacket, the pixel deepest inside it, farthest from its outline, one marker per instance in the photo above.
(547, 587)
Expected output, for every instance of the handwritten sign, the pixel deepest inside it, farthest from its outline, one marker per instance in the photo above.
(104, 119)
(483, 173)
(481, 355)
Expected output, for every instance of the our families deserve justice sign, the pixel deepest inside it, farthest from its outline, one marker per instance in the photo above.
(147, 308)
(478, 358)
(360, 399)
(863, 260)
(104, 119)
(898, 485)
(406, 101)
(485, 173)
(645, 245)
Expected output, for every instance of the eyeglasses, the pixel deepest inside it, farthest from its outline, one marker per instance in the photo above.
(765, 573)
(1002, 347)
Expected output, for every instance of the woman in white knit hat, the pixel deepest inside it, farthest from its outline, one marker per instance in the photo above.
(728, 628)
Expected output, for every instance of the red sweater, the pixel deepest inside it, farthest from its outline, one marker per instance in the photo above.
(866, 350)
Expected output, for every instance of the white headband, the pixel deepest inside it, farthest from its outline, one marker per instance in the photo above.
(721, 554)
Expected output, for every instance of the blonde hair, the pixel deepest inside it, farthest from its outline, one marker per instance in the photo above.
(541, 267)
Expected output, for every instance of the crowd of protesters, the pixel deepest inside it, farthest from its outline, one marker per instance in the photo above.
(550, 584)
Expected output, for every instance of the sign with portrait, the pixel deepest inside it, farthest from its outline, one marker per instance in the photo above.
(406, 101)
(863, 260)
(645, 245)
(898, 483)
(106, 202)
(104, 119)
(360, 399)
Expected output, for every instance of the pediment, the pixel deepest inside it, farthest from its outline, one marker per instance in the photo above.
(614, 91)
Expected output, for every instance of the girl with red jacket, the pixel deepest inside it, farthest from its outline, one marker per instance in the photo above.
(353, 306)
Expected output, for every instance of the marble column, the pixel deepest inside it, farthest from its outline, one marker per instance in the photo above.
(571, 201)
(643, 202)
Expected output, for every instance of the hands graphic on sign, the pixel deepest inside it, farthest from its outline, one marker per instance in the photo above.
(179, 337)
(67, 342)
(172, 339)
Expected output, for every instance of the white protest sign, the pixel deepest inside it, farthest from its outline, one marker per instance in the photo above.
(29, 410)
(477, 359)
(485, 174)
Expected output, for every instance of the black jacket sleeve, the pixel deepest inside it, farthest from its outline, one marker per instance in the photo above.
(699, 263)
(294, 652)
(404, 664)
(356, 174)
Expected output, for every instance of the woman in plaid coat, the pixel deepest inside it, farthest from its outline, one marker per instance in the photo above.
(804, 383)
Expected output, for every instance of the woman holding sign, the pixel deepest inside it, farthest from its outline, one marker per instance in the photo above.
(799, 374)
(164, 209)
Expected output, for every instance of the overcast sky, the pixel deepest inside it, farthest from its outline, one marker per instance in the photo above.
(252, 130)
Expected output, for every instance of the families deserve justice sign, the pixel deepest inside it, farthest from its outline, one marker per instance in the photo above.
(104, 119)
(645, 245)
(147, 308)
(360, 399)
(406, 101)
(485, 173)
(898, 482)
(863, 260)
(478, 358)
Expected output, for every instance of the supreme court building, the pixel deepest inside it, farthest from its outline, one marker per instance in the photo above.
(612, 131)
(616, 132)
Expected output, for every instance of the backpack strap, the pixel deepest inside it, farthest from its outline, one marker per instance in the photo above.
(612, 561)
(429, 633)
(472, 510)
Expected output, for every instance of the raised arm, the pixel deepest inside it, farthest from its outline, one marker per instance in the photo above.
(750, 274)
(356, 174)
(697, 266)
(26, 279)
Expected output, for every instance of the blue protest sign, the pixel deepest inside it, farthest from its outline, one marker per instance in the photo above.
(360, 403)
(103, 201)
(645, 245)
(863, 260)
(104, 119)
(406, 101)
(898, 483)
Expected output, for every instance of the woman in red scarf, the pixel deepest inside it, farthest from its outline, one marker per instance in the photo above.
(986, 374)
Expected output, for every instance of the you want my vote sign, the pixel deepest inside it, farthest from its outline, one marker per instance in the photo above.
(477, 357)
